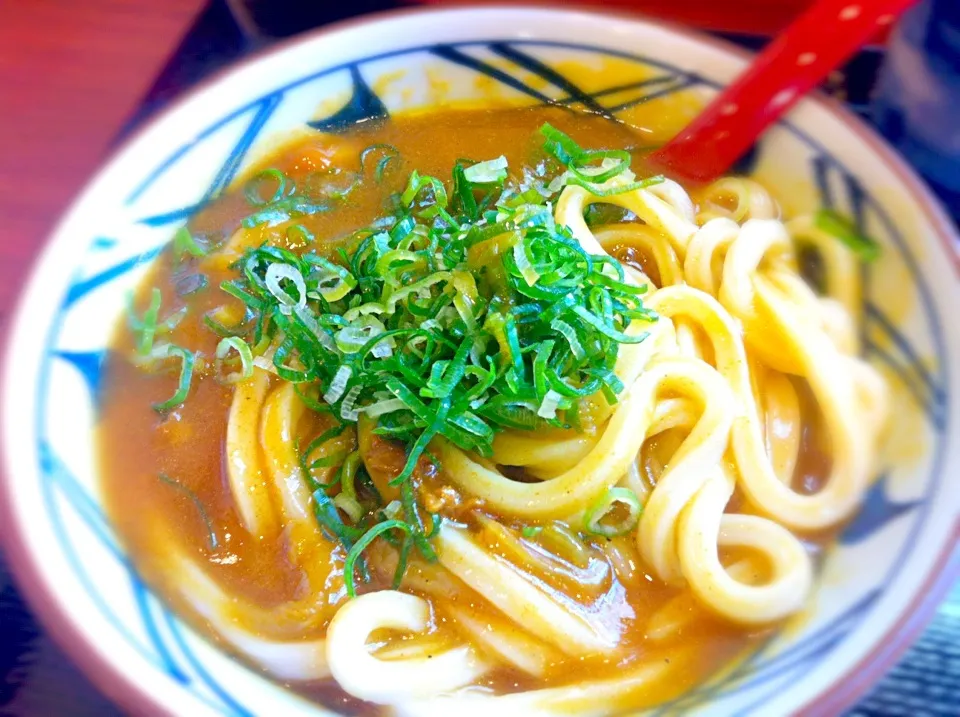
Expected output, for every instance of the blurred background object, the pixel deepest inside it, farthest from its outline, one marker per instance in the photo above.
(917, 96)
(76, 77)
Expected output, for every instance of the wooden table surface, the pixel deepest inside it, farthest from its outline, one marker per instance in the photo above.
(71, 72)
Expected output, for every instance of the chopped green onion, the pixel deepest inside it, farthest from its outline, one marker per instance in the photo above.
(276, 273)
(339, 384)
(531, 531)
(330, 521)
(390, 154)
(333, 282)
(606, 329)
(597, 179)
(349, 565)
(548, 407)
(466, 312)
(192, 497)
(610, 190)
(352, 339)
(221, 330)
(187, 360)
(570, 334)
(560, 145)
(524, 264)
(417, 184)
(254, 187)
(246, 359)
(148, 324)
(299, 234)
(348, 409)
(184, 243)
(837, 225)
(600, 519)
(386, 406)
(489, 172)
(349, 505)
(283, 210)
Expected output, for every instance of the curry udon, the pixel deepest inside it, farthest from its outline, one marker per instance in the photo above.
(468, 405)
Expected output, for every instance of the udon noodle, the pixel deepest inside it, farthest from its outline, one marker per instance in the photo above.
(607, 551)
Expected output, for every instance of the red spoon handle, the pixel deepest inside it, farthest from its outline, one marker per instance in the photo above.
(815, 44)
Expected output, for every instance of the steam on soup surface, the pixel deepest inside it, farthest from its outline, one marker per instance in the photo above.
(469, 405)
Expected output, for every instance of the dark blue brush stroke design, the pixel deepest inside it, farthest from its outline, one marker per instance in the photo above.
(903, 360)
(934, 407)
(625, 87)
(61, 490)
(681, 83)
(761, 667)
(233, 708)
(170, 665)
(747, 164)
(103, 243)
(174, 216)
(458, 57)
(652, 88)
(532, 64)
(228, 170)
(82, 287)
(60, 476)
(876, 511)
(89, 365)
(364, 105)
(261, 109)
(823, 166)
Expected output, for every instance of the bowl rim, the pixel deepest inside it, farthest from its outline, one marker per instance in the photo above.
(121, 687)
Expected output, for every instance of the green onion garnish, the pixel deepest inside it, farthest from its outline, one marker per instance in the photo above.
(173, 483)
(839, 226)
(246, 359)
(467, 312)
(492, 171)
(603, 517)
(601, 191)
(349, 565)
(388, 153)
(187, 360)
(184, 243)
(583, 170)
(411, 330)
(254, 189)
(147, 325)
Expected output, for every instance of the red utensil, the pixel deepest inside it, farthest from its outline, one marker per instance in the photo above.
(816, 43)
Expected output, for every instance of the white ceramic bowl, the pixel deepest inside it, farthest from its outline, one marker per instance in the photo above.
(892, 561)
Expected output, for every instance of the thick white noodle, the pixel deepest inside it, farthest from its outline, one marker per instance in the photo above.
(245, 470)
(588, 698)
(365, 676)
(520, 599)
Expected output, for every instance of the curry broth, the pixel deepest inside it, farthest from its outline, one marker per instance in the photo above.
(136, 445)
